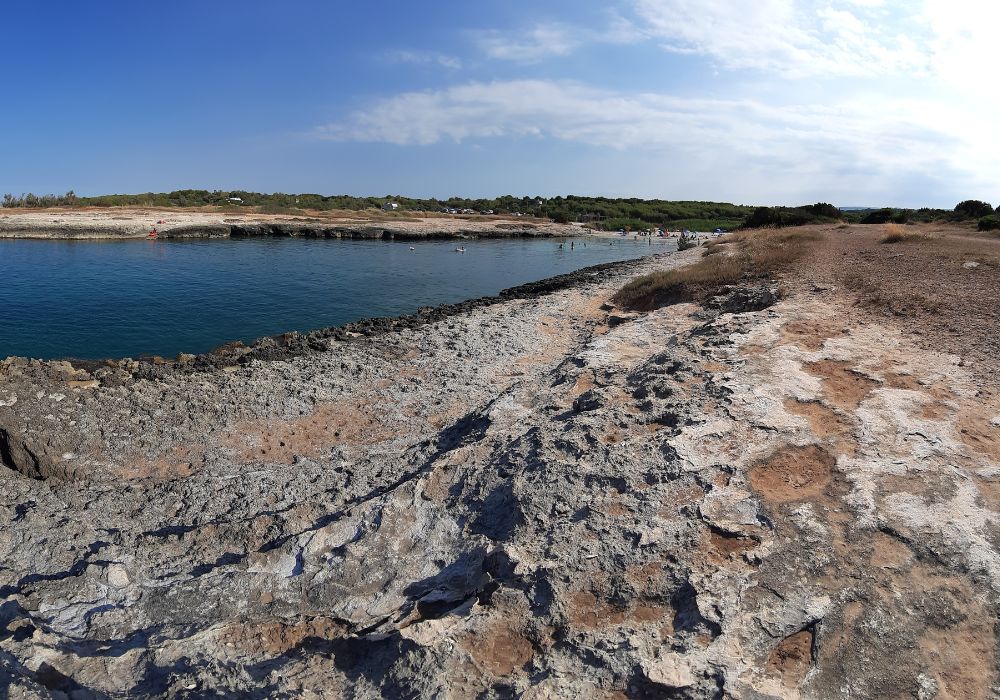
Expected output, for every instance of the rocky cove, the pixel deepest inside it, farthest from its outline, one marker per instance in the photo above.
(770, 494)
(95, 299)
(117, 224)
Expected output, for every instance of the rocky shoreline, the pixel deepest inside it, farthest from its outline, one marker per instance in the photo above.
(111, 224)
(284, 346)
(533, 496)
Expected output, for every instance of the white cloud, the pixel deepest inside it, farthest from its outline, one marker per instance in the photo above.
(530, 45)
(921, 111)
(425, 58)
(535, 43)
(963, 44)
(950, 39)
(871, 138)
(794, 38)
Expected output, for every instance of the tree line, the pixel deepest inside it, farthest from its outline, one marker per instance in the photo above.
(39, 201)
(600, 212)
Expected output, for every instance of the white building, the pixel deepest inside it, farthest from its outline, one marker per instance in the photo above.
(390, 206)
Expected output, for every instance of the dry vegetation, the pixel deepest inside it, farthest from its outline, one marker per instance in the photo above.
(742, 256)
(897, 233)
(874, 293)
(966, 259)
(941, 285)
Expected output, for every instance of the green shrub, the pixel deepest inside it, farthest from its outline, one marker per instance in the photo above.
(763, 217)
(823, 209)
(776, 217)
(973, 209)
(989, 223)
(620, 222)
(879, 216)
(687, 242)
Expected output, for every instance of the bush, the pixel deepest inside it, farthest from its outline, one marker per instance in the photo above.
(896, 233)
(989, 223)
(687, 242)
(879, 216)
(619, 222)
(973, 209)
(825, 210)
(763, 217)
(776, 217)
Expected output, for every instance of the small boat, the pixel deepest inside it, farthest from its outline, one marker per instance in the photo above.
(460, 250)
(412, 248)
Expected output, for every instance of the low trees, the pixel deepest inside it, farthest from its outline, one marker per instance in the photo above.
(776, 217)
(763, 217)
(973, 209)
(39, 201)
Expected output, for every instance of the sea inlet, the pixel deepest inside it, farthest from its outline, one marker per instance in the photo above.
(112, 299)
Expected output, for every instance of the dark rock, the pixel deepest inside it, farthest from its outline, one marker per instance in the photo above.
(588, 401)
(745, 299)
(615, 320)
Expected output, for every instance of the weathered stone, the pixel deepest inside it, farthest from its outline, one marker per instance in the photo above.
(508, 499)
(670, 671)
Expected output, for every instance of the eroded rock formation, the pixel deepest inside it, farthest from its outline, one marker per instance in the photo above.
(541, 497)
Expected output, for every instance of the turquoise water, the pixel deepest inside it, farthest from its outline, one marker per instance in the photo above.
(91, 300)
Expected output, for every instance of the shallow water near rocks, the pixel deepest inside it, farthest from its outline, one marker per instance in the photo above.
(99, 299)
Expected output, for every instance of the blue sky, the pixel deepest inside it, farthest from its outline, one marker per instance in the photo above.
(857, 102)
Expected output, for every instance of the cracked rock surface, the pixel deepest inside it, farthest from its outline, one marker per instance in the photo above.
(538, 498)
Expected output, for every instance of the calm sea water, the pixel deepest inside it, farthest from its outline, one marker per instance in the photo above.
(89, 300)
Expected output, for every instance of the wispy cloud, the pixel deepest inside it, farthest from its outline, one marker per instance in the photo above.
(791, 38)
(424, 58)
(794, 38)
(883, 139)
(530, 45)
(920, 111)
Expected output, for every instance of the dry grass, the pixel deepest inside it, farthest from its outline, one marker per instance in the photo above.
(953, 265)
(897, 233)
(671, 286)
(742, 256)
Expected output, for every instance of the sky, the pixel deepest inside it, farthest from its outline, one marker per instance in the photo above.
(853, 102)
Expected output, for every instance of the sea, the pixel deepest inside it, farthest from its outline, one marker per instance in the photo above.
(114, 299)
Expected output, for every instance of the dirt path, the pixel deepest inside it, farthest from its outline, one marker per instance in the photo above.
(940, 287)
